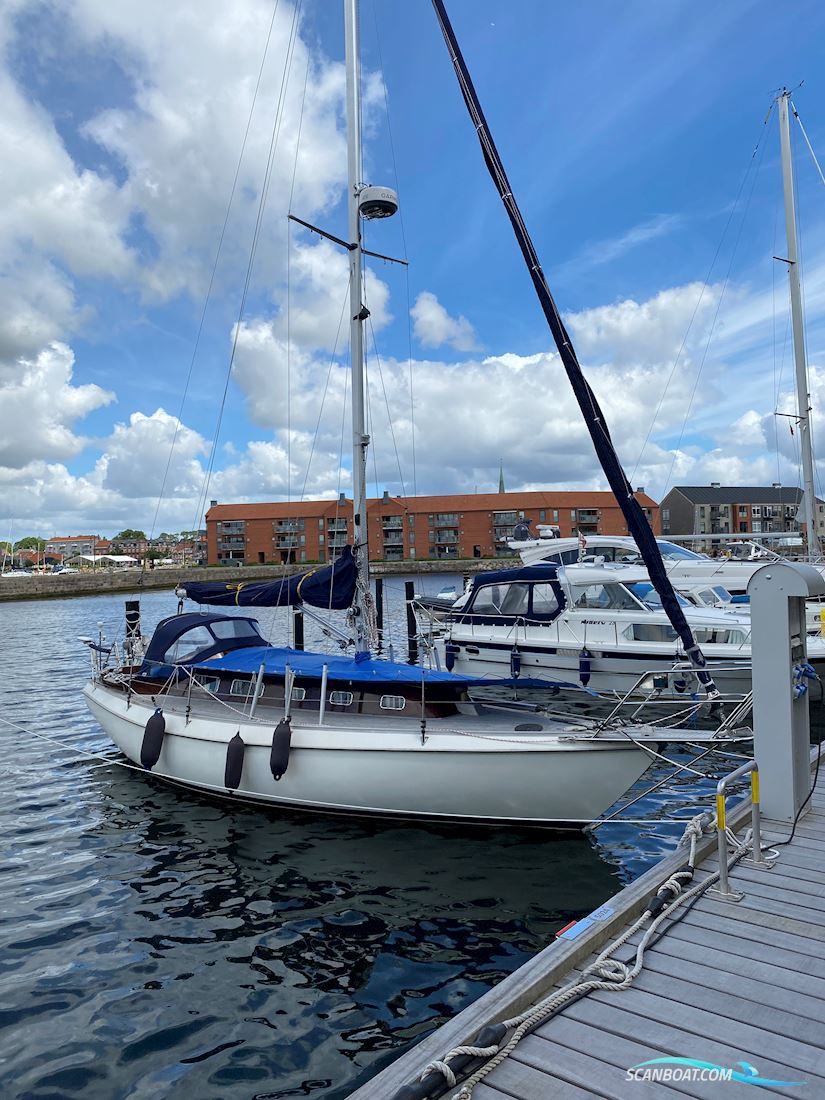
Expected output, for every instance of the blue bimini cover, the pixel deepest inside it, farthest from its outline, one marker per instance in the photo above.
(332, 586)
(342, 667)
(543, 572)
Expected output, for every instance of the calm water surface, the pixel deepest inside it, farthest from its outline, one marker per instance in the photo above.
(157, 944)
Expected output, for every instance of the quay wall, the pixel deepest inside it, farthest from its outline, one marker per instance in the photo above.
(102, 581)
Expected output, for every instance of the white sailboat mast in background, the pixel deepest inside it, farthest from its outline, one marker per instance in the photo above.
(800, 360)
(360, 440)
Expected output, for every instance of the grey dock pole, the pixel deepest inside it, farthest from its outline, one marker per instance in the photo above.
(379, 610)
(412, 629)
(298, 629)
(781, 724)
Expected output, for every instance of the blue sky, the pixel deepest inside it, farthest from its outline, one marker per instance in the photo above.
(627, 131)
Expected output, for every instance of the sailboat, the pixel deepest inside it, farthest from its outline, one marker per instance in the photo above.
(213, 707)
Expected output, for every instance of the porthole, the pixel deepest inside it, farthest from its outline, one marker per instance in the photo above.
(393, 702)
(341, 698)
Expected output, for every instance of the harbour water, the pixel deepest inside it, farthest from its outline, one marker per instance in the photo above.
(158, 944)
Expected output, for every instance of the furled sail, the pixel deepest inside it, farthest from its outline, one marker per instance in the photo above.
(637, 523)
(332, 587)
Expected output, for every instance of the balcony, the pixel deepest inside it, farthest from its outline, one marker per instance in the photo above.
(446, 536)
(393, 538)
(392, 522)
(505, 517)
(286, 541)
(446, 519)
(232, 525)
(289, 525)
(587, 515)
(393, 553)
(336, 525)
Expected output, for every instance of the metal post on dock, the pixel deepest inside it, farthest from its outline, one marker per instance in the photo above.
(412, 628)
(379, 611)
(723, 890)
(781, 724)
(298, 629)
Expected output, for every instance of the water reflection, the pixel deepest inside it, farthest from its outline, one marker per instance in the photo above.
(155, 943)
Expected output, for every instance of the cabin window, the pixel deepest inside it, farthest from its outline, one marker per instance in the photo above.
(234, 628)
(241, 687)
(653, 632)
(208, 683)
(501, 599)
(188, 644)
(341, 698)
(298, 695)
(603, 597)
(393, 702)
(545, 601)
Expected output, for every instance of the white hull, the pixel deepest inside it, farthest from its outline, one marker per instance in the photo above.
(499, 774)
(608, 674)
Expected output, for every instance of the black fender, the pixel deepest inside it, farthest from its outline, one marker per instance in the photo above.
(152, 740)
(234, 762)
(279, 756)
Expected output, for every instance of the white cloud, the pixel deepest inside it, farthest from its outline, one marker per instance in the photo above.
(434, 326)
(39, 408)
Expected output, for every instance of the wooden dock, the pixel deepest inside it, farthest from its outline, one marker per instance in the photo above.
(734, 984)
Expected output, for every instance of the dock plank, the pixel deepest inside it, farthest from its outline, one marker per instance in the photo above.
(618, 1031)
(748, 1038)
(727, 983)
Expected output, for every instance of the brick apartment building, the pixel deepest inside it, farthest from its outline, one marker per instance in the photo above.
(717, 509)
(68, 545)
(477, 525)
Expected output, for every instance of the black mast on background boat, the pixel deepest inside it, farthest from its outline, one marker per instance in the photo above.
(637, 523)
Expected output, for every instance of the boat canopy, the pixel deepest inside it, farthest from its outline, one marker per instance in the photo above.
(332, 587)
(365, 670)
(543, 572)
(197, 635)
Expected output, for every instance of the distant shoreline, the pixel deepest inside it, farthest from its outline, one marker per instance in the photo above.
(47, 586)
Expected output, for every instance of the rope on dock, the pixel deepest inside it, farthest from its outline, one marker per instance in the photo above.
(605, 973)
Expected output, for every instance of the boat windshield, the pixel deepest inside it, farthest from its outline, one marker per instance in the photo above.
(671, 552)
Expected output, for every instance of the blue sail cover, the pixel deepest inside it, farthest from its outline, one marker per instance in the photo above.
(332, 587)
(365, 671)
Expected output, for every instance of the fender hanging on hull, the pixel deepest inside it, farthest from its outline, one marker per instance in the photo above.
(152, 740)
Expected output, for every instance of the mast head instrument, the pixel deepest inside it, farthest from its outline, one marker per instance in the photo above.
(377, 202)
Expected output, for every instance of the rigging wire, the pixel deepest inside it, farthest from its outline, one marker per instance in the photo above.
(332, 359)
(405, 253)
(705, 285)
(722, 292)
(221, 238)
(289, 291)
(279, 112)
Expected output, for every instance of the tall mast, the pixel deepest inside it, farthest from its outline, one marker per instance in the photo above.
(360, 440)
(802, 395)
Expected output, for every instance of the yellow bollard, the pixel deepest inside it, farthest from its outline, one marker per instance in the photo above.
(822, 622)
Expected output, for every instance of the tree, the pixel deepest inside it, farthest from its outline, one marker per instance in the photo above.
(31, 542)
(130, 533)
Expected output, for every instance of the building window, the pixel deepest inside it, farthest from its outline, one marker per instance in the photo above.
(756, 510)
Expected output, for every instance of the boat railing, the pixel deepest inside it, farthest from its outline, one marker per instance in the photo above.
(653, 683)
